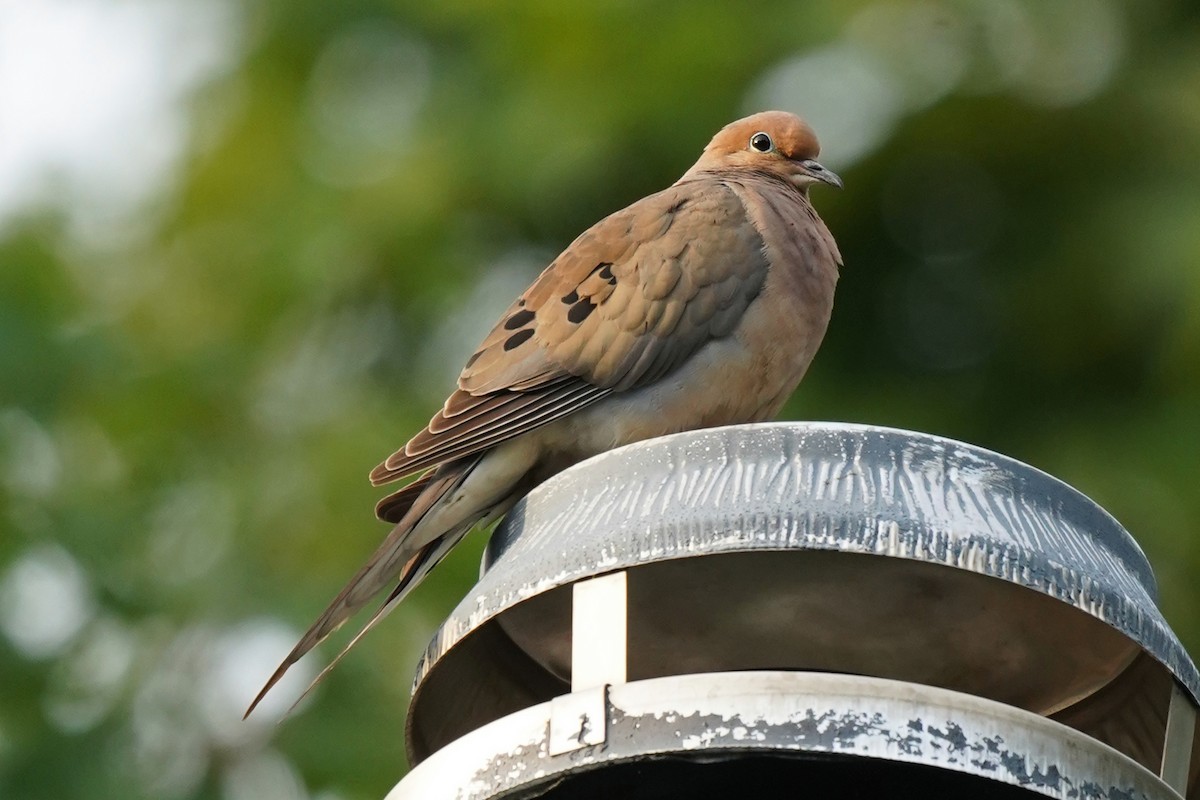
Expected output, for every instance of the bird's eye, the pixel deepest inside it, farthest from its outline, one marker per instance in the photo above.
(762, 142)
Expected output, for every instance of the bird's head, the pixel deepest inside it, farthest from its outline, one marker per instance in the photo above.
(770, 141)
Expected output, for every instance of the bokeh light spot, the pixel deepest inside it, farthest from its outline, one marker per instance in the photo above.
(44, 601)
(843, 91)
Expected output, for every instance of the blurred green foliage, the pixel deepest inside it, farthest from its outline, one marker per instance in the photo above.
(191, 394)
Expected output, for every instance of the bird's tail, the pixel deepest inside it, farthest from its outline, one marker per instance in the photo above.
(400, 554)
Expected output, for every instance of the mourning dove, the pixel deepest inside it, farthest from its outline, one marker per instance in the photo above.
(700, 305)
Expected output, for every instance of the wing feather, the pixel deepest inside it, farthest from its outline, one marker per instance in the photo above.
(628, 302)
(495, 423)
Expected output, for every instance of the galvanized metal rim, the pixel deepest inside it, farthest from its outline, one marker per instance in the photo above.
(1142, 624)
(727, 714)
(1134, 558)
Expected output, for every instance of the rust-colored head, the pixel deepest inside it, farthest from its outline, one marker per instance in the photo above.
(770, 141)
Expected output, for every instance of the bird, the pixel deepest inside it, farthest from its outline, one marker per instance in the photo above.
(699, 305)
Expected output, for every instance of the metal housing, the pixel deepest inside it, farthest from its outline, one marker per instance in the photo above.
(820, 547)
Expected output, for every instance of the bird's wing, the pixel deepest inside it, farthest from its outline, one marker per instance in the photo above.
(393, 507)
(628, 302)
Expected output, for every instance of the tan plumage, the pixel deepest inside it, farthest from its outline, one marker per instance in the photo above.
(700, 305)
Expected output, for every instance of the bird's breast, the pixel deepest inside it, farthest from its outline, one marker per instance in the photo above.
(745, 376)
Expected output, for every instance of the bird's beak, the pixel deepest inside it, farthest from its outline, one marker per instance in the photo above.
(815, 170)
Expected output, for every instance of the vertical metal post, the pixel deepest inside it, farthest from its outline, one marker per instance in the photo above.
(598, 635)
(1177, 744)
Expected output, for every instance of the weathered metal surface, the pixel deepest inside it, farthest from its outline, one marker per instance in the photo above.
(828, 486)
(713, 716)
(818, 546)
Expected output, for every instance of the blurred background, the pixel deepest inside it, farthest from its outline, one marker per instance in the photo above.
(245, 246)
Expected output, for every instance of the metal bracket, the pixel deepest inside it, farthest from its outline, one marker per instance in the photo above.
(1177, 744)
(578, 720)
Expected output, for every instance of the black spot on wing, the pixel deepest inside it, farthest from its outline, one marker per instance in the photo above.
(606, 274)
(580, 311)
(518, 320)
(517, 339)
(570, 297)
(475, 357)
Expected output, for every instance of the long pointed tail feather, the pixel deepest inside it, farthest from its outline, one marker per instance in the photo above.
(413, 573)
(397, 554)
